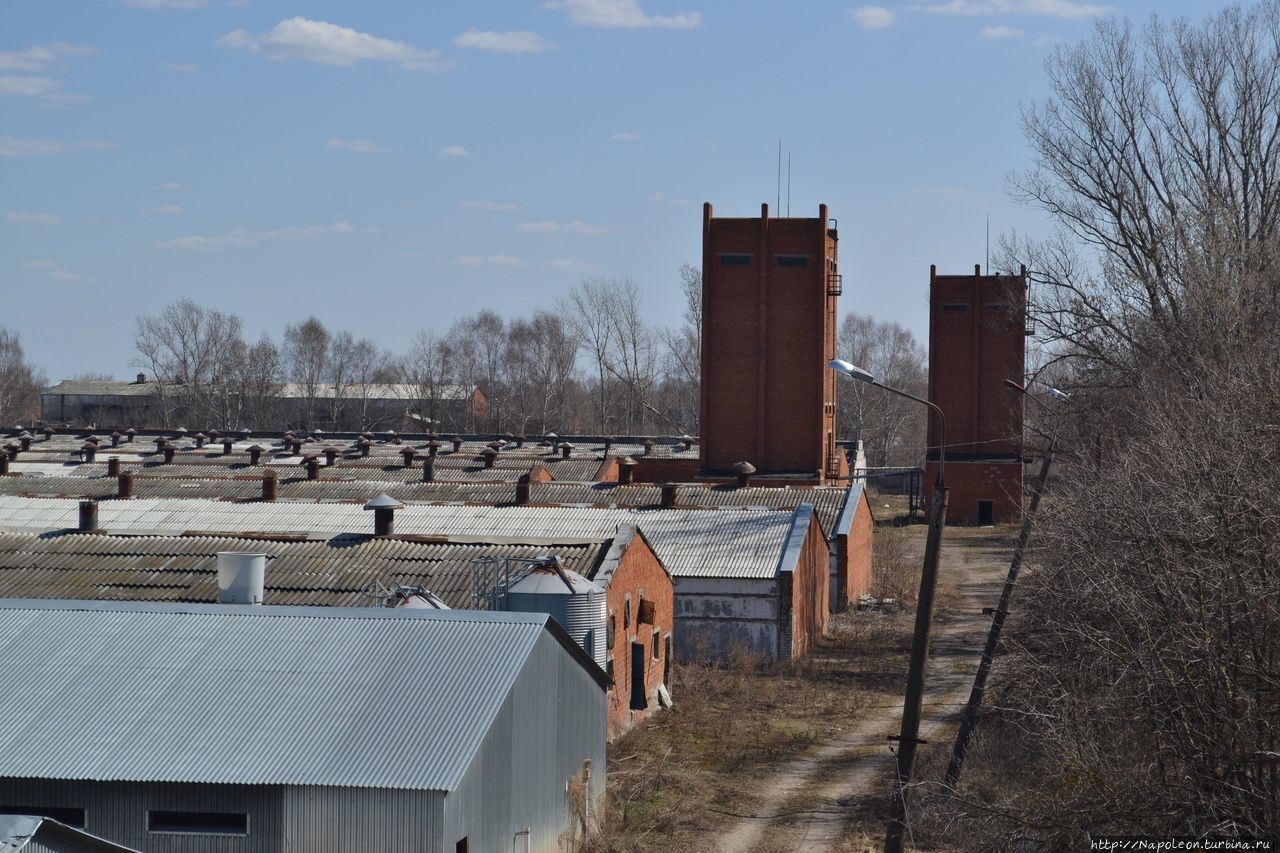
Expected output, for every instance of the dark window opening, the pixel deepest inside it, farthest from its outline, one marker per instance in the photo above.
(199, 823)
(611, 630)
(647, 612)
(997, 306)
(666, 661)
(986, 512)
(626, 613)
(608, 668)
(657, 646)
(639, 701)
(735, 260)
(793, 260)
(461, 846)
(953, 306)
(62, 814)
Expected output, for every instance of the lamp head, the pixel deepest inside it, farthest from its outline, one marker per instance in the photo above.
(839, 365)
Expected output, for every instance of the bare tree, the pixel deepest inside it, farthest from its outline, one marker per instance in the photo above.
(20, 381)
(306, 354)
(425, 370)
(371, 369)
(892, 429)
(184, 347)
(682, 362)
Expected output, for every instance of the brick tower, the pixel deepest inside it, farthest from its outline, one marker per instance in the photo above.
(977, 340)
(769, 289)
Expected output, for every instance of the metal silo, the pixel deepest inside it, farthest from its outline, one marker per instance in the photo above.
(572, 600)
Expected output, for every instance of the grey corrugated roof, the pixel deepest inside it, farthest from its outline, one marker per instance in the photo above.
(219, 694)
(330, 573)
(19, 832)
(690, 542)
(105, 387)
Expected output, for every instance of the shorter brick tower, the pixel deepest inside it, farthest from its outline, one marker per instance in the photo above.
(769, 289)
(977, 340)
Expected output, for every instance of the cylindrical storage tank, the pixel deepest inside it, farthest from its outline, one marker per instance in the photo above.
(241, 577)
(572, 600)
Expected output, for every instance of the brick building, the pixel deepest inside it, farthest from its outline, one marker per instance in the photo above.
(640, 611)
(977, 340)
(769, 289)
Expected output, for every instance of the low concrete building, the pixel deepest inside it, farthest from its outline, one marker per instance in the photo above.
(256, 728)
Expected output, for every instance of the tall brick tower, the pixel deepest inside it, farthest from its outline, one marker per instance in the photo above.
(769, 289)
(977, 340)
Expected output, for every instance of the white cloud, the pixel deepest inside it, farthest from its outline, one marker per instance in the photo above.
(40, 56)
(166, 210)
(509, 42)
(999, 31)
(359, 146)
(57, 273)
(170, 186)
(12, 146)
(245, 237)
(872, 17)
(330, 44)
(32, 218)
(615, 14)
(494, 206)
(489, 261)
(166, 4)
(37, 87)
(574, 227)
(625, 136)
(182, 67)
(454, 151)
(1048, 8)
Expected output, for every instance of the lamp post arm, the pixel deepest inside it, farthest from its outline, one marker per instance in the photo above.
(942, 423)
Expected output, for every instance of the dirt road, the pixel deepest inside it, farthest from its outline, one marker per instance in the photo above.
(811, 799)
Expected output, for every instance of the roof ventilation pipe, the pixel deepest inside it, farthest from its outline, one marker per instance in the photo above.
(129, 434)
(88, 451)
(124, 485)
(88, 516)
(566, 450)
(626, 470)
(270, 485)
(312, 464)
(25, 440)
(4, 462)
(226, 446)
(255, 454)
(408, 453)
(457, 443)
(608, 443)
(429, 469)
(330, 456)
(242, 578)
(384, 510)
(200, 438)
(687, 440)
(115, 438)
(523, 487)
(744, 470)
(168, 450)
(668, 495)
(648, 446)
(113, 466)
(488, 455)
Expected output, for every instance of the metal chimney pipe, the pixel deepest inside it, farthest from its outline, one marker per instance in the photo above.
(433, 447)
(626, 470)
(648, 446)
(88, 451)
(364, 444)
(270, 485)
(520, 440)
(457, 443)
(313, 468)
(523, 488)
(384, 521)
(4, 462)
(744, 471)
(255, 454)
(429, 469)
(226, 446)
(668, 495)
(25, 441)
(200, 437)
(113, 466)
(124, 484)
(488, 455)
(608, 443)
(168, 450)
(88, 516)
(566, 450)
(48, 433)
(330, 455)
(115, 438)
(408, 453)
(129, 435)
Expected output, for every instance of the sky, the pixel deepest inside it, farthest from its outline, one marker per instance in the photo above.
(393, 165)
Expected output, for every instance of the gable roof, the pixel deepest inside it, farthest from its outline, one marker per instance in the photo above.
(128, 691)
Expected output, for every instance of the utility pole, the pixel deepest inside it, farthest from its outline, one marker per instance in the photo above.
(958, 752)
(908, 738)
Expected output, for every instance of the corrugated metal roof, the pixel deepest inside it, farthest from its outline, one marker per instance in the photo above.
(691, 542)
(329, 573)
(217, 694)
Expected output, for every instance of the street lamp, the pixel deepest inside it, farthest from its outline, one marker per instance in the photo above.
(839, 365)
(970, 716)
(909, 736)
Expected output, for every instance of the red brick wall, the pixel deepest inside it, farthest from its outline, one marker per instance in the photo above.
(857, 549)
(970, 482)
(768, 333)
(809, 597)
(662, 470)
(977, 340)
(639, 576)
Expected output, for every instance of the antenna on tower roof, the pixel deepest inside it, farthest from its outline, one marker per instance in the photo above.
(779, 201)
(988, 244)
(788, 182)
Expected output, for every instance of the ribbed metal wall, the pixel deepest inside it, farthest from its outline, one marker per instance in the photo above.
(553, 718)
(117, 811)
(350, 820)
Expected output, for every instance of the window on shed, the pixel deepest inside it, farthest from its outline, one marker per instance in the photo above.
(62, 814)
(639, 701)
(626, 613)
(198, 823)
(611, 630)
(645, 615)
(954, 306)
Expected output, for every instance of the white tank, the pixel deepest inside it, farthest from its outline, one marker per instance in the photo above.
(241, 577)
(575, 602)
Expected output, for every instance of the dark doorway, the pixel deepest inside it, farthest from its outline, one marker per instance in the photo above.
(639, 701)
(986, 512)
